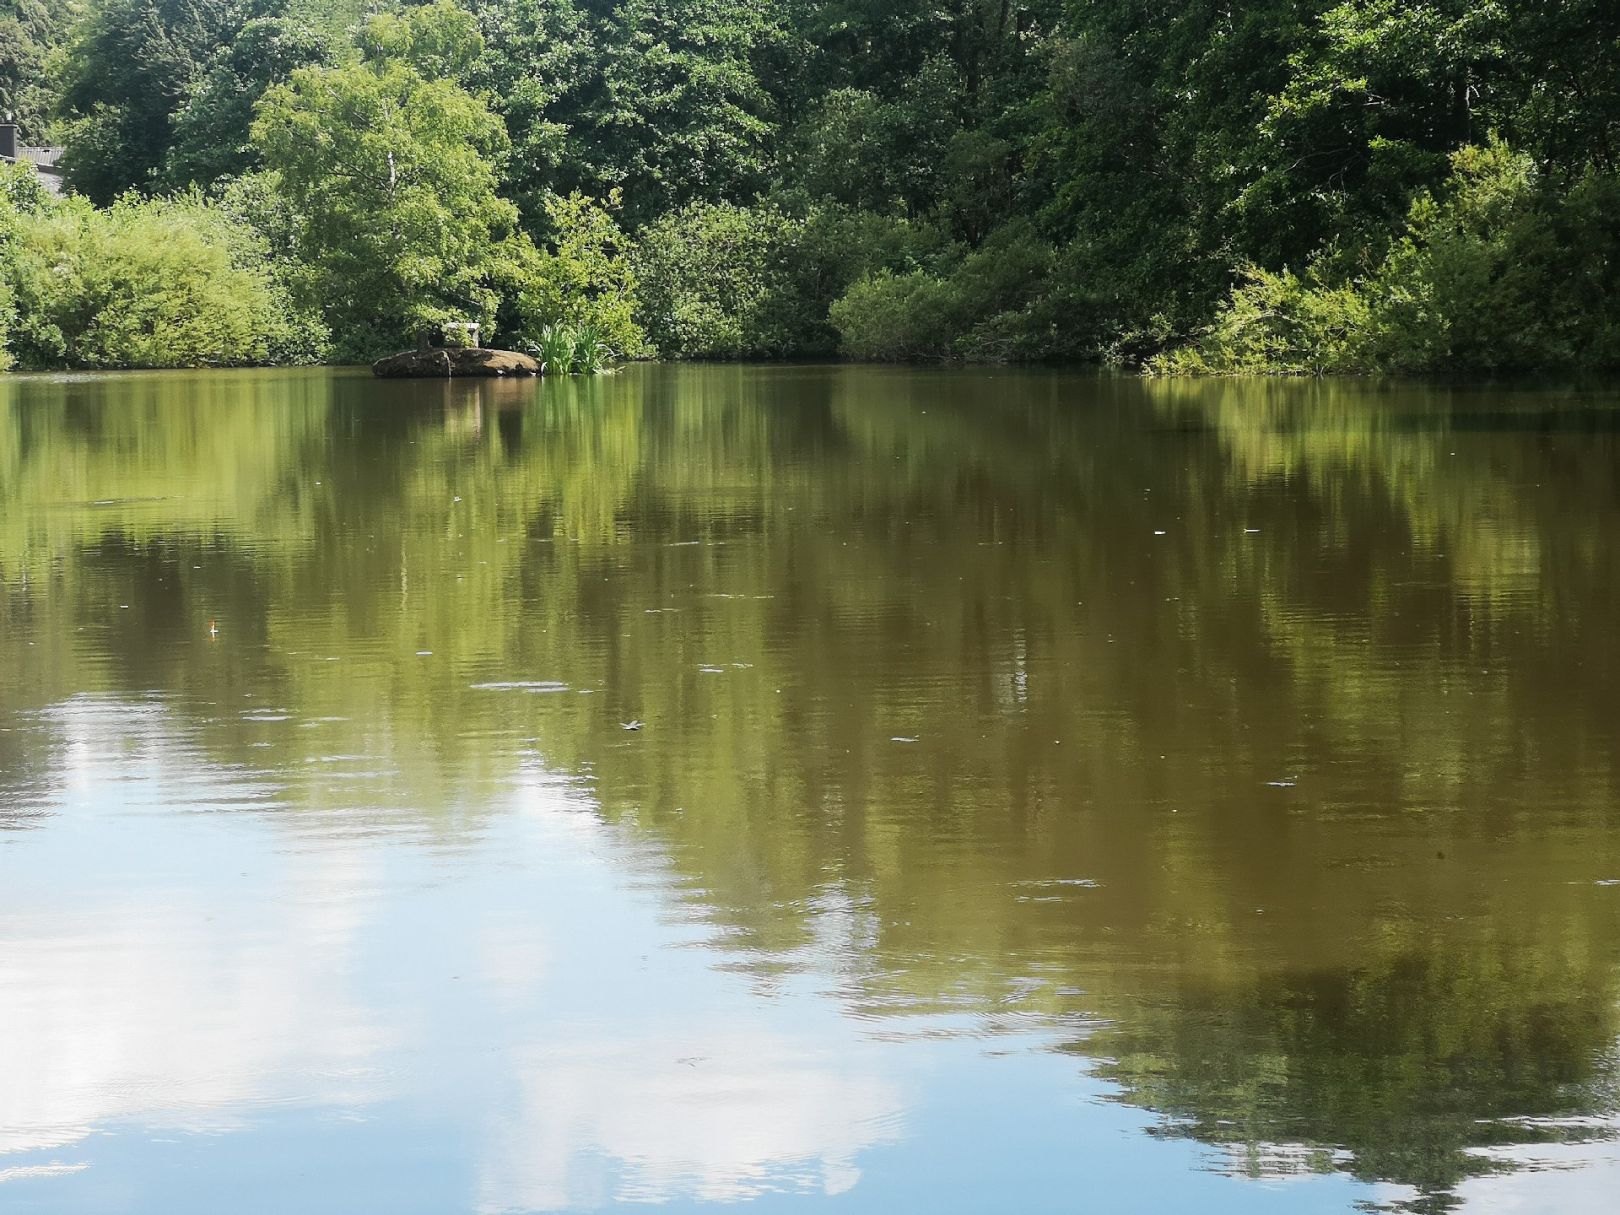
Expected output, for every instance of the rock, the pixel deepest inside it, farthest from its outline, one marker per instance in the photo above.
(447, 362)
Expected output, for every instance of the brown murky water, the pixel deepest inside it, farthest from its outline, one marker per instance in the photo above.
(1051, 792)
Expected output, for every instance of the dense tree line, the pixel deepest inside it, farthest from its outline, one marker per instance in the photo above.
(1292, 185)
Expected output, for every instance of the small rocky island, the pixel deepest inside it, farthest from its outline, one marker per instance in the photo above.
(454, 361)
(439, 355)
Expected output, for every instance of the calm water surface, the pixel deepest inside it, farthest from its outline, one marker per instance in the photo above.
(1055, 793)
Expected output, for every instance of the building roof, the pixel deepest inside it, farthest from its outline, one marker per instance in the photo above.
(43, 158)
(45, 161)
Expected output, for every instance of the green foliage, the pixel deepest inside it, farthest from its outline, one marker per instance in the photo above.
(591, 352)
(571, 350)
(583, 279)
(160, 93)
(262, 211)
(891, 316)
(14, 181)
(393, 177)
(983, 306)
(662, 99)
(1503, 271)
(1498, 272)
(863, 150)
(28, 28)
(711, 276)
(212, 131)
(1378, 94)
(8, 313)
(721, 281)
(439, 40)
(834, 248)
(1281, 324)
(148, 283)
(130, 65)
(1121, 170)
(554, 347)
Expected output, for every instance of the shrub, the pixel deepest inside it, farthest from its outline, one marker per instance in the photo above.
(265, 229)
(896, 317)
(1505, 272)
(8, 245)
(148, 283)
(723, 281)
(22, 198)
(1281, 324)
(833, 248)
(584, 279)
(1501, 271)
(712, 280)
(8, 313)
(983, 306)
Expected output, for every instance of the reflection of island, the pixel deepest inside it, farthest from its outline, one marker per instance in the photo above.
(1270, 729)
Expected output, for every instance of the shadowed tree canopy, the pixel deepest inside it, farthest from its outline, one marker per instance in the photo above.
(130, 66)
(669, 101)
(28, 29)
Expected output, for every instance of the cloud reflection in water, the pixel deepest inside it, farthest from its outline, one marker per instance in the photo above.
(199, 972)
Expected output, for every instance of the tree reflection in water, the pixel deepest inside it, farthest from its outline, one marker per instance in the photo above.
(1265, 733)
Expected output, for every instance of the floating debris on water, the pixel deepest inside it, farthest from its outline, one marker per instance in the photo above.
(630, 725)
(520, 685)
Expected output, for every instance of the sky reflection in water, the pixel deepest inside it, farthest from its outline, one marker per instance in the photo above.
(1251, 854)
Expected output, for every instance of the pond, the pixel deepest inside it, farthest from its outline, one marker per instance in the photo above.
(807, 788)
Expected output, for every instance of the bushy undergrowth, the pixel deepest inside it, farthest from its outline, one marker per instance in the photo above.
(1501, 271)
(984, 305)
(17, 190)
(160, 282)
(582, 283)
(725, 281)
